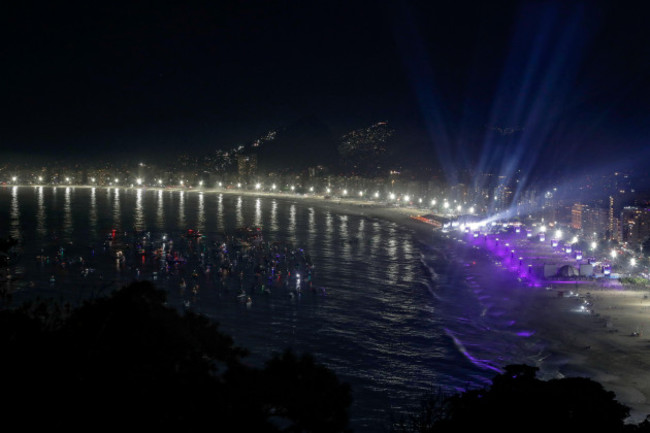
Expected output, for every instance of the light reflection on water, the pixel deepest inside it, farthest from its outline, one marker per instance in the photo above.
(375, 327)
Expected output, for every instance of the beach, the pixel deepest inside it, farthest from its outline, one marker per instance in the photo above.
(608, 341)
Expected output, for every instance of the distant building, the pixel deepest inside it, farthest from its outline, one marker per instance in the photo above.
(246, 165)
(635, 225)
(577, 213)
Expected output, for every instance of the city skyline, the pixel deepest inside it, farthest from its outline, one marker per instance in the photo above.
(537, 85)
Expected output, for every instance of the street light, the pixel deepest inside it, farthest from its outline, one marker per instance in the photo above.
(258, 186)
(345, 192)
(139, 180)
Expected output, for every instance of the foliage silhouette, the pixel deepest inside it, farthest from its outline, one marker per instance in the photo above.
(518, 401)
(129, 360)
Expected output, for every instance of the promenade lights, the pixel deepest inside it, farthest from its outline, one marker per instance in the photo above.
(40, 179)
(420, 200)
(360, 193)
(407, 198)
(67, 179)
(273, 187)
(392, 196)
(633, 261)
(433, 202)
(200, 183)
(328, 190)
(311, 189)
(13, 179)
(558, 234)
(459, 208)
(238, 185)
(159, 181)
(471, 209)
(345, 192)
(258, 186)
(139, 180)
(220, 184)
(446, 205)
(594, 245)
(376, 194)
(293, 188)
(181, 183)
(613, 254)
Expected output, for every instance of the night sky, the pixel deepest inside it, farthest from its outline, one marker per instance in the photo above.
(491, 85)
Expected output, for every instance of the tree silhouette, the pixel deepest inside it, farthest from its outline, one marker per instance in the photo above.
(129, 360)
(518, 401)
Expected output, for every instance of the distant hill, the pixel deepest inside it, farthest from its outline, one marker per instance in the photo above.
(304, 143)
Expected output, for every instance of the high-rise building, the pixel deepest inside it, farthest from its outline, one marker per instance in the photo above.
(635, 225)
(247, 165)
(577, 214)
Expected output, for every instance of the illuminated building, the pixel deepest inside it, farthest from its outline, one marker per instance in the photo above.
(635, 225)
(577, 213)
(247, 165)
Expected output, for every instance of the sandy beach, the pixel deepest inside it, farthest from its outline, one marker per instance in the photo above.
(608, 342)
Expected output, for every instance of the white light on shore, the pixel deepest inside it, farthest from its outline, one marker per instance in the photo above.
(558, 234)
(345, 192)
(471, 209)
(273, 187)
(293, 187)
(613, 254)
(542, 229)
(181, 182)
(200, 183)
(633, 261)
(360, 193)
(139, 181)
(446, 205)
(419, 200)
(311, 189)
(328, 190)
(407, 198)
(594, 245)
(459, 208)
(433, 202)
(238, 185)
(159, 181)
(40, 179)
(376, 194)
(116, 180)
(392, 196)
(258, 186)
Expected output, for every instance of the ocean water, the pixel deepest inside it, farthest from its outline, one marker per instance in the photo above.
(396, 312)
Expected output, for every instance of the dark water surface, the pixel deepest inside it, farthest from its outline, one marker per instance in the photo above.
(401, 315)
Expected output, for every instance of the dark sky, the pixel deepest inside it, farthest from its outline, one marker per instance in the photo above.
(486, 84)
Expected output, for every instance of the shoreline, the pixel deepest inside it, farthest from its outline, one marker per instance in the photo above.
(608, 345)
